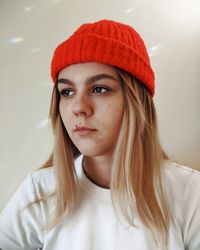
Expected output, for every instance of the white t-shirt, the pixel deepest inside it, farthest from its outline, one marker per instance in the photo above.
(93, 224)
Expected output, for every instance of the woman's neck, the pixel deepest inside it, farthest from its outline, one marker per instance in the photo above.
(98, 170)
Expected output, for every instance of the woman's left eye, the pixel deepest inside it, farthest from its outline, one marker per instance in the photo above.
(99, 89)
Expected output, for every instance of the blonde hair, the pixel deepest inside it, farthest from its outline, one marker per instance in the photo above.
(136, 183)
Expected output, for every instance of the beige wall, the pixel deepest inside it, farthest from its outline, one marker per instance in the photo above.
(29, 32)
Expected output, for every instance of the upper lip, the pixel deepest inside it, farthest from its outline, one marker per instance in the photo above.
(83, 128)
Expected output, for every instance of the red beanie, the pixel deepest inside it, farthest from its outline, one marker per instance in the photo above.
(109, 42)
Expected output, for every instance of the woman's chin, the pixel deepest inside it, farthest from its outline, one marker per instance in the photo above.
(91, 152)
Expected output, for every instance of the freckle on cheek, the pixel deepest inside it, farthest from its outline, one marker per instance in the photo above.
(109, 106)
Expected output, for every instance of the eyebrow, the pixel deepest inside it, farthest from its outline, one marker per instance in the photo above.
(89, 80)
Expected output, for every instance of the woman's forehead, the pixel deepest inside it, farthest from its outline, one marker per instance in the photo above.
(79, 70)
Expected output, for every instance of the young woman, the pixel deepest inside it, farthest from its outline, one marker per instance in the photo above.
(108, 183)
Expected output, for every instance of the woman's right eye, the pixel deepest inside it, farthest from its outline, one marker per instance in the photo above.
(66, 92)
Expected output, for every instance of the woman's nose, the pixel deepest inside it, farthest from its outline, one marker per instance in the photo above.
(82, 106)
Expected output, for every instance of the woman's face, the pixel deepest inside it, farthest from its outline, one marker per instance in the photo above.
(91, 96)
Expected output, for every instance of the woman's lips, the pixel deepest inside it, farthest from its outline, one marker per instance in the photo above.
(84, 130)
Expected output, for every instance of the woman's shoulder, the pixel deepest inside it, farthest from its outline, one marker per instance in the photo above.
(41, 180)
(182, 186)
(42, 173)
(174, 170)
(181, 182)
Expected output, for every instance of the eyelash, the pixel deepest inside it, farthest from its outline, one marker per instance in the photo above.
(62, 92)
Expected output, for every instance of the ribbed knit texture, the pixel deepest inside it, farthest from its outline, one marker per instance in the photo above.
(109, 42)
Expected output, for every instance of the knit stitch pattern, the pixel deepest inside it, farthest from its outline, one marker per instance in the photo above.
(109, 42)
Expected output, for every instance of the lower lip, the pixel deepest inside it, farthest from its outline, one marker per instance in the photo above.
(85, 131)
